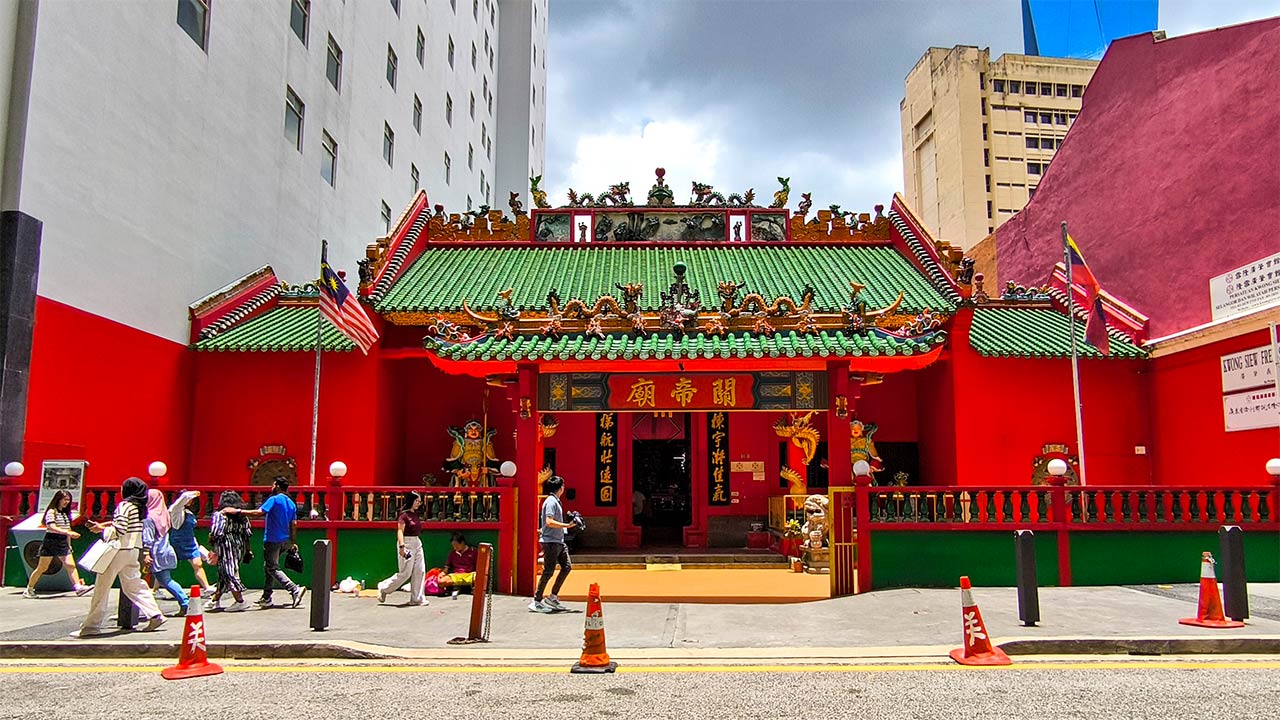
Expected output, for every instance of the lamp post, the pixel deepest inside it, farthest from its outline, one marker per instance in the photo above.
(157, 470)
(15, 469)
(1057, 472)
(1273, 468)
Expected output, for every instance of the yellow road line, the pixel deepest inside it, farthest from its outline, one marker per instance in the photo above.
(669, 669)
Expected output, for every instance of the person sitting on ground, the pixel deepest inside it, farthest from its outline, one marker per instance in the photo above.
(460, 567)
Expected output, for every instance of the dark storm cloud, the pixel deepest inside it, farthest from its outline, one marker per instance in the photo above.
(805, 89)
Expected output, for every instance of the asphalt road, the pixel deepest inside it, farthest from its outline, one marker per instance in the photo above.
(1165, 689)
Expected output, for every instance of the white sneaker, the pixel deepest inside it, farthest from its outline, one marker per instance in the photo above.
(85, 632)
(553, 602)
(82, 589)
(238, 607)
(535, 606)
(154, 623)
(29, 594)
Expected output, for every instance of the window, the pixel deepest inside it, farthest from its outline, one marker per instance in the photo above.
(473, 56)
(386, 217)
(448, 109)
(475, 10)
(1031, 192)
(486, 42)
(329, 163)
(413, 175)
(535, 54)
(1060, 142)
(533, 136)
(1033, 168)
(422, 48)
(986, 158)
(333, 67)
(294, 111)
(1029, 117)
(1072, 118)
(1015, 86)
(492, 17)
(486, 87)
(395, 5)
(491, 104)
(988, 209)
(1046, 118)
(454, 4)
(1031, 88)
(1060, 90)
(988, 183)
(982, 77)
(388, 144)
(450, 51)
(193, 17)
(984, 131)
(1060, 118)
(1033, 142)
(997, 86)
(417, 114)
(1077, 91)
(471, 156)
(984, 106)
(299, 18)
(482, 183)
(1046, 89)
(448, 169)
(392, 64)
(535, 95)
(473, 106)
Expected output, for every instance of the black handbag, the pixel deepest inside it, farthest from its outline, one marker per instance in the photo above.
(293, 560)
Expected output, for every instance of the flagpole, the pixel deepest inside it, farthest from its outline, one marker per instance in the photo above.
(315, 392)
(1075, 356)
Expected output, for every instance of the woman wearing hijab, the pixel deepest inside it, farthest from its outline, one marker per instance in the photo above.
(155, 537)
(182, 536)
(413, 567)
(229, 536)
(125, 531)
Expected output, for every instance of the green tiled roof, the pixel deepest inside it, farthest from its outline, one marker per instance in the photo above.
(1036, 332)
(671, 346)
(283, 329)
(444, 276)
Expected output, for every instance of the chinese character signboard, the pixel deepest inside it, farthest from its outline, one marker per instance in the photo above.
(679, 392)
(1246, 288)
(607, 459)
(1249, 389)
(718, 458)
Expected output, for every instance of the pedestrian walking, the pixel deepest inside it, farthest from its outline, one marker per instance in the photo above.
(554, 552)
(182, 536)
(412, 564)
(125, 532)
(229, 535)
(57, 544)
(163, 560)
(281, 536)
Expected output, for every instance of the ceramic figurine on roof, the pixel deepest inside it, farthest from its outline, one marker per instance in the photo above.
(706, 196)
(780, 196)
(472, 463)
(680, 304)
(516, 205)
(660, 194)
(616, 196)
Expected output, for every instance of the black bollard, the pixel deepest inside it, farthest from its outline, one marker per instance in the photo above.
(1235, 588)
(126, 611)
(321, 584)
(1024, 561)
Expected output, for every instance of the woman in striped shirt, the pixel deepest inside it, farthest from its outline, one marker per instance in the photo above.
(125, 530)
(57, 544)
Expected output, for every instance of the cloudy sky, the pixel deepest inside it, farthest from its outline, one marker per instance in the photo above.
(737, 92)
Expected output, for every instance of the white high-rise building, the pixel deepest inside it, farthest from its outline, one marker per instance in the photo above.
(172, 146)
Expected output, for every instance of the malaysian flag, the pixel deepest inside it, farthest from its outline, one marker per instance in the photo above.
(342, 308)
(1095, 329)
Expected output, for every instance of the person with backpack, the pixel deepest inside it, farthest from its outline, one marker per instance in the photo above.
(554, 551)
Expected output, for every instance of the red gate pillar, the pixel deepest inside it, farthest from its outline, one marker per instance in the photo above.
(528, 463)
(840, 408)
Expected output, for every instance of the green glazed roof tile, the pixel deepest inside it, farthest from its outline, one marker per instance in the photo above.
(1036, 332)
(283, 329)
(443, 277)
(667, 345)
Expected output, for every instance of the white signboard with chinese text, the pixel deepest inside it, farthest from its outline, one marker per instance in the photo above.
(1251, 410)
(1246, 288)
(1249, 369)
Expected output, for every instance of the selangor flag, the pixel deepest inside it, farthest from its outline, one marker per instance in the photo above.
(341, 308)
(1095, 329)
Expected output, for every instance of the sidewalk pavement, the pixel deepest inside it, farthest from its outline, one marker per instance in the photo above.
(903, 622)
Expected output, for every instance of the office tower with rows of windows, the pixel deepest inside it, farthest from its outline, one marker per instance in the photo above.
(977, 134)
(172, 146)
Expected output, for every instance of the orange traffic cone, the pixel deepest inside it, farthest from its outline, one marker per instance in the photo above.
(977, 648)
(595, 658)
(193, 659)
(1209, 613)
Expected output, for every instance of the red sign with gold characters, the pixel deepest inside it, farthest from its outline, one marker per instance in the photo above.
(681, 392)
(606, 459)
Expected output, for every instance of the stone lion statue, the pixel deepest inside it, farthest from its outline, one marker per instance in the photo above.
(815, 524)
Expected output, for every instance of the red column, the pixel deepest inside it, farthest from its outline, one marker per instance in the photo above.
(862, 513)
(629, 535)
(1061, 518)
(528, 452)
(334, 506)
(695, 535)
(840, 408)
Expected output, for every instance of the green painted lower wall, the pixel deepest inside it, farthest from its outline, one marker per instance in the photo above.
(1139, 558)
(938, 559)
(365, 555)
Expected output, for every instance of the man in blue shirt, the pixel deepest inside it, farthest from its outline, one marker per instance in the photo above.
(281, 536)
(554, 552)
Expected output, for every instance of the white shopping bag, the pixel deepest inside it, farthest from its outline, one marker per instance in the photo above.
(99, 556)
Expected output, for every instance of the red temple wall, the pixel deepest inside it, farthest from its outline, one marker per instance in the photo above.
(936, 416)
(1188, 425)
(104, 392)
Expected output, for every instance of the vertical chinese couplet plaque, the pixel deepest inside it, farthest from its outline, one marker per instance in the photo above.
(606, 459)
(718, 458)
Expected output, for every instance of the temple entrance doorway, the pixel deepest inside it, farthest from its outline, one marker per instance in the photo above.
(662, 492)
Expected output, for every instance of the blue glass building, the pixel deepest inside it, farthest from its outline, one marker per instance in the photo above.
(1082, 29)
